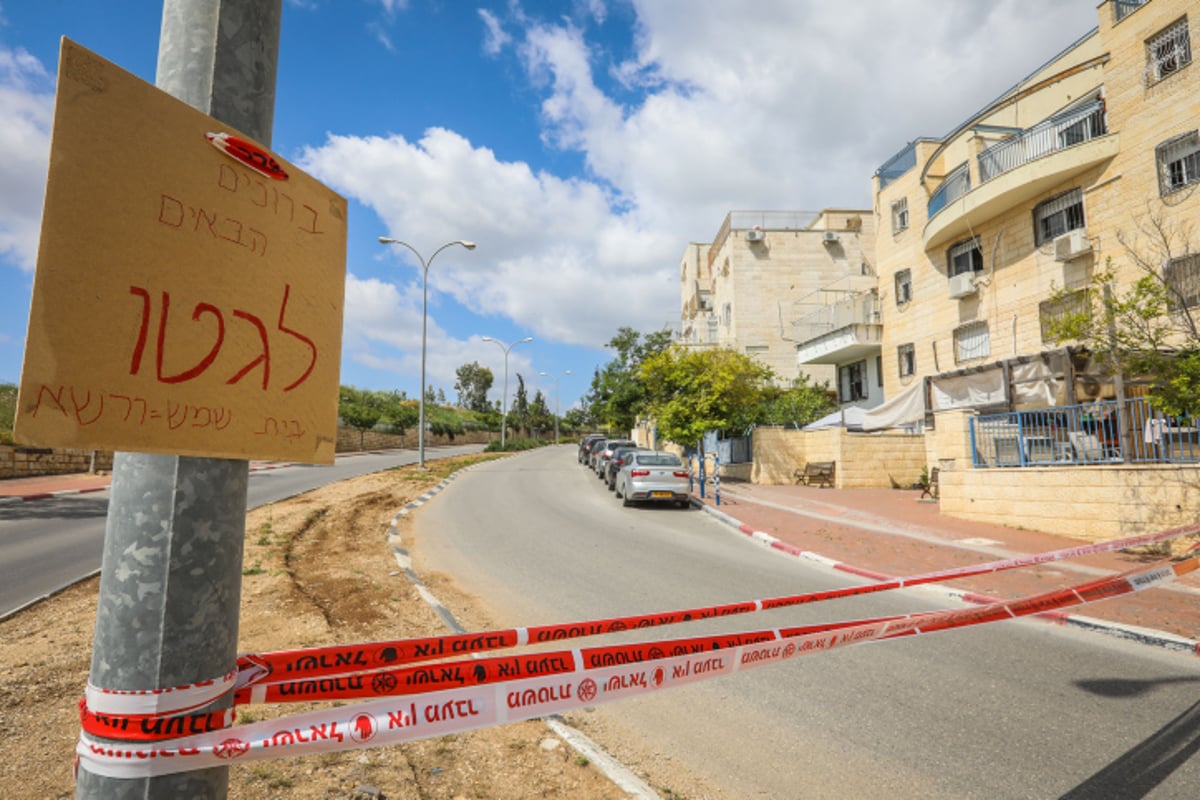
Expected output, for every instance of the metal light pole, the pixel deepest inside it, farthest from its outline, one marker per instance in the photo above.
(424, 304)
(565, 372)
(504, 398)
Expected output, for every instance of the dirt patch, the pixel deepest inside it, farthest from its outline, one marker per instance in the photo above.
(317, 570)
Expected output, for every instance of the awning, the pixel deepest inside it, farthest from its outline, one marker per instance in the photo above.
(906, 408)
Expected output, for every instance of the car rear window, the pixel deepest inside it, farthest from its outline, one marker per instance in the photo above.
(659, 460)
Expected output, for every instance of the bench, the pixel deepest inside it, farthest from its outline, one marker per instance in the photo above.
(819, 473)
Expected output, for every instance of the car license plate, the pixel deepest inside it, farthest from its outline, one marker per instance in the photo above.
(661, 494)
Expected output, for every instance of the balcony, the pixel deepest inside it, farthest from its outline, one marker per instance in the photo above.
(847, 330)
(1018, 170)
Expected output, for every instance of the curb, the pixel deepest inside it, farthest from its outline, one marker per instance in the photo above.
(1147, 636)
(25, 498)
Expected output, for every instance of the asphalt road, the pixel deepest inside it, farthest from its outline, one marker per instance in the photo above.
(48, 544)
(1018, 709)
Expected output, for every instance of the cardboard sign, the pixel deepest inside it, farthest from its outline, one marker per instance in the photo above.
(189, 286)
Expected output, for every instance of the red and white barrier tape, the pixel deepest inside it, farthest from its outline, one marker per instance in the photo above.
(567, 684)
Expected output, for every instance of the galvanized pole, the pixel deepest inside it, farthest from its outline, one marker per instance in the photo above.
(171, 574)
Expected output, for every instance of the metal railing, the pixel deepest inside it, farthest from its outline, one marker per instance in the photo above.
(860, 308)
(955, 185)
(1089, 433)
(1057, 133)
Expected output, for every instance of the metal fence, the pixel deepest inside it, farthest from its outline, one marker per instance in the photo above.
(1089, 433)
(1057, 133)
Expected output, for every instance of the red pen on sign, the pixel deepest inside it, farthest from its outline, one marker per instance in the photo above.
(249, 154)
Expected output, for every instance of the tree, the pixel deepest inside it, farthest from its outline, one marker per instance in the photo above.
(540, 416)
(1147, 328)
(796, 406)
(360, 409)
(618, 393)
(518, 414)
(473, 384)
(693, 392)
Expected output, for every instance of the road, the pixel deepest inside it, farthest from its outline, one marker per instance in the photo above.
(1018, 709)
(48, 544)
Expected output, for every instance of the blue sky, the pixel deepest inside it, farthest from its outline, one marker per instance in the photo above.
(581, 144)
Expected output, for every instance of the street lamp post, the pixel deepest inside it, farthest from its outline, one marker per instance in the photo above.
(504, 399)
(424, 305)
(565, 372)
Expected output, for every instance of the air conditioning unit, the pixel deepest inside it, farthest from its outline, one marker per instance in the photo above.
(962, 285)
(831, 237)
(1072, 244)
(755, 235)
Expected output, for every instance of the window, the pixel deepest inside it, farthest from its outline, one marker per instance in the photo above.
(879, 371)
(1167, 51)
(1178, 162)
(1182, 276)
(1124, 8)
(906, 355)
(1052, 310)
(971, 341)
(903, 286)
(1058, 215)
(852, 382)
(727, 314)
(964, 257)
(899, 215)
(756, 349)
(712, 328)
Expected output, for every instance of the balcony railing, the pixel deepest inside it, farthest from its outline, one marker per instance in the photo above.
(1091, 433)
(860, 308)
(1057, 133)
(956, 184)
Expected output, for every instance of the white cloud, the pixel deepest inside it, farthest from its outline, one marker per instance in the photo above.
(779, 104)
(26, 106)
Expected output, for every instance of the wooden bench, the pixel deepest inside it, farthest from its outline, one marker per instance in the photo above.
(819, 473)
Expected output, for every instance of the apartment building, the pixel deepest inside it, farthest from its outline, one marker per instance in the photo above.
(765, 270)
(1090, 160)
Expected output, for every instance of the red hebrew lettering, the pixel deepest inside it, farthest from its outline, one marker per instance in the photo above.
(231, 222)
(56, 397)
(205, 362)
(274, 426)
(256, 234)
(170, 211)
(224, 417)
(262, 187)
(211, 222)
(295, 429)
(311, 345)
(135, 363)
(265, 357)
(174, 413)
(312, 225)
(80, 408)
(228, 173)
(196, 417)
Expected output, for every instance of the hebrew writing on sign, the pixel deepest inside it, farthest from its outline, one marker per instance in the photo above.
(189, 285)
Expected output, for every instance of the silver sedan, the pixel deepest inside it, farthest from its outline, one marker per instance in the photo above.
(653, 476)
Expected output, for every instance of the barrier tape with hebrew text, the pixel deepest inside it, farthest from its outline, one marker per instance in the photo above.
(342, 659)
(499, 690)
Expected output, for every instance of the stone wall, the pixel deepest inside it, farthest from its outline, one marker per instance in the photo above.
(864, 460)
(26, 462)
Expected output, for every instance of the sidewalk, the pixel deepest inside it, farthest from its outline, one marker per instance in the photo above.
(16, 490)
(883, 533)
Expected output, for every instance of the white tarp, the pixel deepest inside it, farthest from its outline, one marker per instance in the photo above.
(849, 418)
(968, 391)
(903, 409)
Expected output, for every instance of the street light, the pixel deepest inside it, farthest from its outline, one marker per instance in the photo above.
(565, 372)
(504, 398)
(424, 303)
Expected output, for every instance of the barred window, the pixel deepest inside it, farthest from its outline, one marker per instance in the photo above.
(906, 355)
(971, 341)
(904, 291)
(1058, 215)
(1052, 310)
(963, 257)
(1167, 51)
(1182, 276)
(1178, 162)
(899, 215)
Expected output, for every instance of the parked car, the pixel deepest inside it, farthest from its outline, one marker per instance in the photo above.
(653, 476)
(589, 457)
(605, 453)
(619, 457)
(586, 443)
